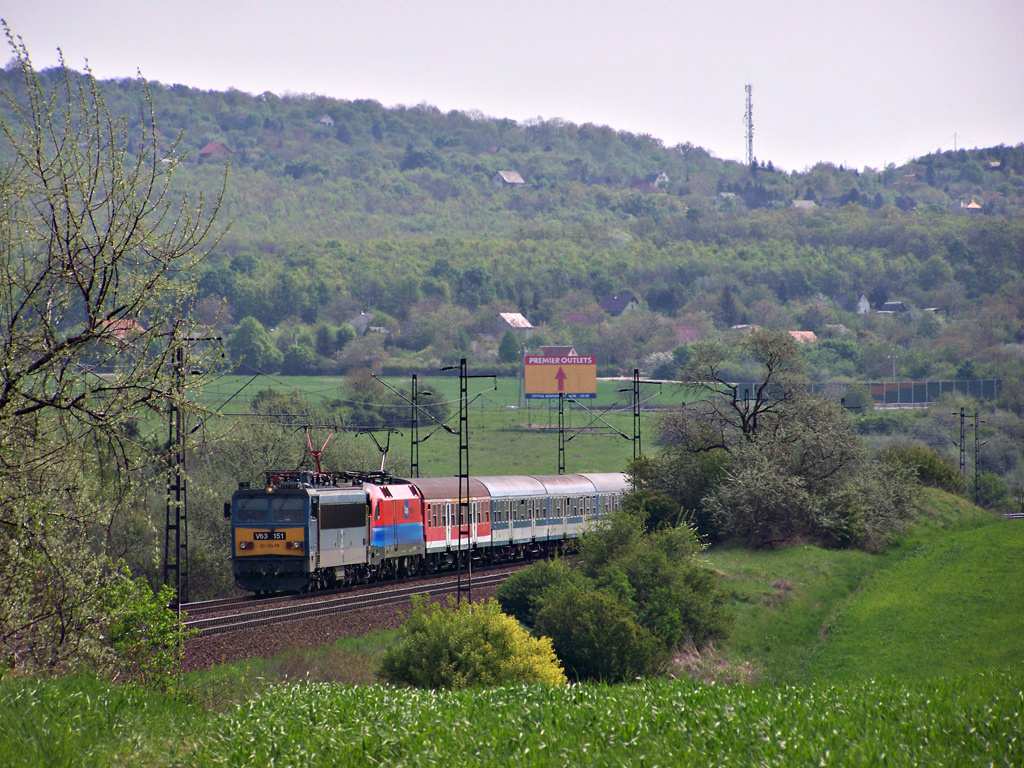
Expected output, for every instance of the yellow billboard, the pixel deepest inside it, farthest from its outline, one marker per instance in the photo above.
(554, 375)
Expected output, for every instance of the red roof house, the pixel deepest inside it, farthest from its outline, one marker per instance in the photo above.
(214, 152)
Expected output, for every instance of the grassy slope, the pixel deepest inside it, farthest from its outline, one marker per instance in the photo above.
(947, 599)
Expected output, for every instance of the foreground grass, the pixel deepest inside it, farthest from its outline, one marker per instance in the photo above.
(967, 720)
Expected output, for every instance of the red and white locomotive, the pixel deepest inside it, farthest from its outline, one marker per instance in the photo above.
(306, 530)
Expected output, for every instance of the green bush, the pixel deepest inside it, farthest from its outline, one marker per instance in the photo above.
(146, 637)
(656, 508)
(523, 593)
(675, 596)
(930, 468)
(467, 645)
(597, 638)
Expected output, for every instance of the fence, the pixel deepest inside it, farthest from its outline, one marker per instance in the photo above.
(900, 392)
(904, 392)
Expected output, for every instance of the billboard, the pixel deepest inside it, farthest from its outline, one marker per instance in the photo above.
(566, 375)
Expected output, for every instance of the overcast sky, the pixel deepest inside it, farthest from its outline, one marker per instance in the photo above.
(859, 83)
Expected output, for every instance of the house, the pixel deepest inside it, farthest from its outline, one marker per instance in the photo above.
(515, 321)
(804, 337)
(971, 207)
(507, 179)
(650, 183)
(124, 330)
(803, 205)
(891, 307)
(214, 152)
(863, 305)
(326, 121)
(618, 303)
(687, 334)
(361, 323)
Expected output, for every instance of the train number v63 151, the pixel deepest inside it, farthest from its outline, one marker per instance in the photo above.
(268, 535)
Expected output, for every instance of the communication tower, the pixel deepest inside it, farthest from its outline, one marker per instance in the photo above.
(748, 122)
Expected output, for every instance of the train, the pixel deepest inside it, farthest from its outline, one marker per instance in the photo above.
(304, 530)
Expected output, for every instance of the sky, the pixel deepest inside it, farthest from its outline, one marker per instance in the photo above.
(859, 84)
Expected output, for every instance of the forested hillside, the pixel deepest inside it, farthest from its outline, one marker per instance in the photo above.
(336, 208)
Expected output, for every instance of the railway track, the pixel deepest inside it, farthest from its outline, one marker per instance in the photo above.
(255, 612)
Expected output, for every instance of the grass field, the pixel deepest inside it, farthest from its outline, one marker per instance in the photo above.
(910, 657)
(504, 438)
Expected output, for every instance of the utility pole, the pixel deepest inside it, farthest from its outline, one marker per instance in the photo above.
(977, 446)
(465, 521)
(176, 526)
(561, 433)
(637, 448)
(962, 444)
(414, 429)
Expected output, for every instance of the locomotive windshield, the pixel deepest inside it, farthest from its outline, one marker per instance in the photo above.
(276, 509)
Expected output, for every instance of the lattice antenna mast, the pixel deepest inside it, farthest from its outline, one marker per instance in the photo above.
(748, 122)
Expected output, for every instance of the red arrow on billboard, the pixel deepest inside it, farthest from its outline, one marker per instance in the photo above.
(560, 377)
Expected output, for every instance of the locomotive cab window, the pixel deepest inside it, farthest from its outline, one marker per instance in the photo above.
(288, 509)
(251, 510)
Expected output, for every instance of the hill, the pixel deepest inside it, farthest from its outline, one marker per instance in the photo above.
(336, 208)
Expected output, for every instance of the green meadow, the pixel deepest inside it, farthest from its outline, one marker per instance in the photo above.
(508, 432)
(914, 656)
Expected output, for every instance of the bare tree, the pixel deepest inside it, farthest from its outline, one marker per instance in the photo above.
(723, 415)
(97, 260)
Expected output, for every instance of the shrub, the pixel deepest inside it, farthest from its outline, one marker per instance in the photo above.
(523, 593)
(657, 575)
(467, 645)
(147, 638)
(597, 638)
(656, 508)
(930, 467)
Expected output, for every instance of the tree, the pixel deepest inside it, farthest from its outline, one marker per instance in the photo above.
(97, 278)
(252, 347)
(726, 415)
(299, 360)
(509, 349)
(796, 467)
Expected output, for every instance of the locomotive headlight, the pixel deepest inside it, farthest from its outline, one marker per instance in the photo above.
(245, 545)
